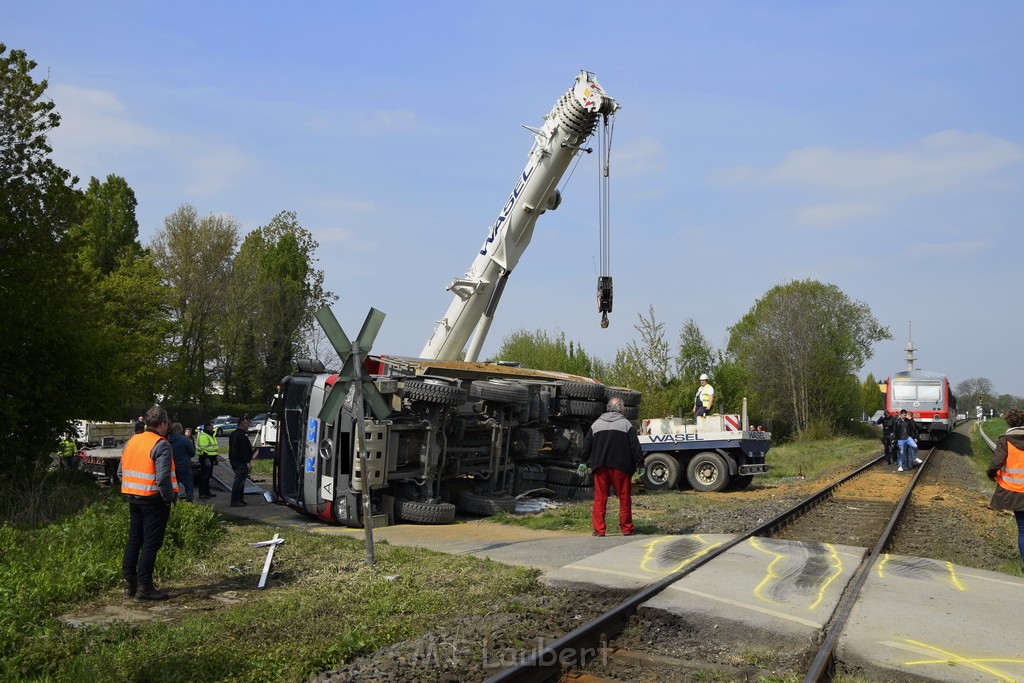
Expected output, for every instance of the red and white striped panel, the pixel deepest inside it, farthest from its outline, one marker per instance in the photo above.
(645, 426)
(732, 423)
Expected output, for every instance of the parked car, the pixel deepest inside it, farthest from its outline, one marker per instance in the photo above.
(224, 425)
(257, 422)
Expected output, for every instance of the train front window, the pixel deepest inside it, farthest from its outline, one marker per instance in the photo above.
(925, 392)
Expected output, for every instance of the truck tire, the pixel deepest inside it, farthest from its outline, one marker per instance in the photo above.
(591, 409)
(572, 492)
(424, 513)
(501, 391)
(563, 476)
(486, 504)
(630, 397)
(527, 442)
(584, 390)
(708, 472)
(631, 412)
(661, 472)
(434, 392)
(740, 482)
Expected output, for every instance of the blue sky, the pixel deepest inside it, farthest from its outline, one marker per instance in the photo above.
(876, 146)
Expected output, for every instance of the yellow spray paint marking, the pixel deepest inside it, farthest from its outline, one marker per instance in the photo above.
(772, 573)
(648, 563)
(950, 568)
(951, 658)
(954, 579)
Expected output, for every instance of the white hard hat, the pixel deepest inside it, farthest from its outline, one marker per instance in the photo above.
(703, 376)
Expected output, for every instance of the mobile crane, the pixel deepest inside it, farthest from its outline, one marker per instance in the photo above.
(455, 431)
(566, 129)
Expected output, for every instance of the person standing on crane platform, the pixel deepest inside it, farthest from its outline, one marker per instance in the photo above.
(705, 397)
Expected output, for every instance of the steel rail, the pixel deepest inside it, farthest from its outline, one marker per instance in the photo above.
(823, 665)
(585, 642)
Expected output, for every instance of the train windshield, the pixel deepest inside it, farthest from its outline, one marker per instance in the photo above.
(921, 392)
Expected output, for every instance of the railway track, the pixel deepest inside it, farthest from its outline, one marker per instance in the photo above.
(863, 509)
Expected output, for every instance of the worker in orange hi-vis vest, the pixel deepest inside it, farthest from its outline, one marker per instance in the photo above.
(149, 483)
(1007, 470)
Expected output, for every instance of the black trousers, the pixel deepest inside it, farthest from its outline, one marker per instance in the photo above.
(147, 523)
(205, 473)
(238, 485)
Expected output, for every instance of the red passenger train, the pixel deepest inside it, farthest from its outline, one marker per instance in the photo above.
(927, 396)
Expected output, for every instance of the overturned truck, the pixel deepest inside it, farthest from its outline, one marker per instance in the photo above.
(457, 435)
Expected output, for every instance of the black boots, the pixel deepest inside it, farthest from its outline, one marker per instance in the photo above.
(130, 587)
(147, 591)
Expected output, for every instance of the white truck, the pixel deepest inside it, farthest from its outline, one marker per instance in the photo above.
(719, 452)
(106, 434)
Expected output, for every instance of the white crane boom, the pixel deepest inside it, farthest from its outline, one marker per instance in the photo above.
(565, 130)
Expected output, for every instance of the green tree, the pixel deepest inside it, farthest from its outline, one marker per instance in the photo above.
(801, 343)
(645, 365)
(278, 289)
(542, 351)
(109, 231)
(194, 255)
(871, 397)
(695, 356)
(49, 340)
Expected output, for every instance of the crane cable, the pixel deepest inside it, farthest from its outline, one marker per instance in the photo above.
(604, 221)
(604, 280)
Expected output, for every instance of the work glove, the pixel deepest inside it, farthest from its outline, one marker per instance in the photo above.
(992, 474)
(636, 475)
(581, 471)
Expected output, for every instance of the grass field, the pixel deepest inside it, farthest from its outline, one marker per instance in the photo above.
(325, 605)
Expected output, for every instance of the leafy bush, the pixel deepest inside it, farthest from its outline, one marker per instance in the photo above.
(44, 569)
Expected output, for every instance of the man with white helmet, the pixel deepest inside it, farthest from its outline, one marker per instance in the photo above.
(705, 397)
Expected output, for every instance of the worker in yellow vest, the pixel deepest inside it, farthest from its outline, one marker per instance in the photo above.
(207, 450)
(704, 398)
(68, 453)
(1007, 470)
(148, 482)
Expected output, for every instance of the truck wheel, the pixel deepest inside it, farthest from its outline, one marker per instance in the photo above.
(486, 504)
(631, 412)
(563, 476)
(434, 392)
(572, 492)
(630, 397)
(584, 390)
(708, 472)
(502, 391)
(568, 406)
(740, 482)
(527, 442)
(661, 472)
(424, 513)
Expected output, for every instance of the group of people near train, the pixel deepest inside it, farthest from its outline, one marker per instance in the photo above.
(899, 436)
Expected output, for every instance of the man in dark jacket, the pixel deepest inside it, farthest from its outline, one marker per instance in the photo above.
(183, 451)
(239, 455)
(613, 451)
(888, 422)
(905, 433)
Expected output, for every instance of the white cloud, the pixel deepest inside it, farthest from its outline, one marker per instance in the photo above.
(343, 237)
(935, 163)
(830, 215)
(638, 157)
(97, 133)
(962, 249)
